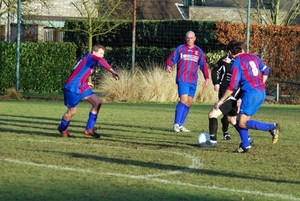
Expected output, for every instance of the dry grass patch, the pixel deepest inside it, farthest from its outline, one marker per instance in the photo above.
(152, 85)
(11, 93)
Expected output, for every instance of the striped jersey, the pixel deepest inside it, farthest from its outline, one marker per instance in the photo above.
(78, 79)
(246, 72)
(188, 61)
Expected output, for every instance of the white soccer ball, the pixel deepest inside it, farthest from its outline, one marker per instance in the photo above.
(203, 138)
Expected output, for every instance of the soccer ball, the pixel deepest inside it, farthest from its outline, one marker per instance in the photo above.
(203, 138)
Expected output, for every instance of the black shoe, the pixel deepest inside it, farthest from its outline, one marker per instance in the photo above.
(91, 133)
(226, 136)
(242, 149)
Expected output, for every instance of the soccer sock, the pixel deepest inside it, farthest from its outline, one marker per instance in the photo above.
(257, 125)
(236, 127)
(63, 125)
(244, 136)
(213, 128)
(178, 112)
(91, 121)
(184, 115)
(225, 124)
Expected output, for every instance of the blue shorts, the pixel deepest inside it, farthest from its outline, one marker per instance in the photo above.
(72, 98)
(186, 88)
(251, 102)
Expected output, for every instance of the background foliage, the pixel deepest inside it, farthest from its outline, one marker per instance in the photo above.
(278, 46)
(44, 67)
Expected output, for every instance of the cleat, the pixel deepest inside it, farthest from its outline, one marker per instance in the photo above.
(91, 133)
(176, 128)
(64, 133)
(226, 137)
(209, 143)
(184, 129)
(275, 133)
(243, 149)
(213, 137)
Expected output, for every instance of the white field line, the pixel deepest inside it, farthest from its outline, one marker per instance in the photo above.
(196, 164)
(282, 196)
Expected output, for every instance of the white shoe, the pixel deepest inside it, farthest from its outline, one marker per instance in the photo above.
(184, 129)
(176, 128)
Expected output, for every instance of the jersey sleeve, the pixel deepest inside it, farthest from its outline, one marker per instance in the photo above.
(263, 68)
(214, 74)
(101, 62)
(203, 65)
(173, 58)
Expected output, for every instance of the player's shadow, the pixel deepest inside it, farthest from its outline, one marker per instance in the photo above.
(120, 161)
(169, 167)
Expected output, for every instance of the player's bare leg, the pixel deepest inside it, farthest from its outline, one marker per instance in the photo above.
(63, 127)
(93, 115)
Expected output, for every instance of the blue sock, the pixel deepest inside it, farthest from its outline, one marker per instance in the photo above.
(257, 125)
(91, 121)
(243, 135)
(185, 112)
(178, 112)
(63, 125)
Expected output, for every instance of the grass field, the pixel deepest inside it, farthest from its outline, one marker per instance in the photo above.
(139, 157)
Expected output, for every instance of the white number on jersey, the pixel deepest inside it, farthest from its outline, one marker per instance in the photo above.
(253, 68)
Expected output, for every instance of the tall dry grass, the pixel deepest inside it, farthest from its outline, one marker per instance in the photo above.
(152, 85)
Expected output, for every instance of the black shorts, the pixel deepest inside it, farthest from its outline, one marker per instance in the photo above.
(229, 107)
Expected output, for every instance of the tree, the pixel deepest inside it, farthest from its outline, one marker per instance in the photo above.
(102, 10)
(10, 6)
(274, 12)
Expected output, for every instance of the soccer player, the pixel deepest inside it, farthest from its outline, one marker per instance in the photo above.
(77, 88)
(188, 58)
(250, 74)
(221, 77)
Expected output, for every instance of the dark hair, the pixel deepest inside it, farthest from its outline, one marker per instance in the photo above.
(235, 47)
(97, 47)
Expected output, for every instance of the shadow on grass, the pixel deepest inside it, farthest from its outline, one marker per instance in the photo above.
(38, 122)
(169, 167)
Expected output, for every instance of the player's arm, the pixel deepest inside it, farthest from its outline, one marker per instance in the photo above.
(233, 85)
(265, 78)
(214, 77)
(102, 62)
(204, 68)
(215, 74)
(265, 70)
(172, 59)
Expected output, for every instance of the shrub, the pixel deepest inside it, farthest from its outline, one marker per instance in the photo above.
(151, 85)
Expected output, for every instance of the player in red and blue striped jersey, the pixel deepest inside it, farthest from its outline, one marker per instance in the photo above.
(188, 58)
(77, 88)
(250, 74)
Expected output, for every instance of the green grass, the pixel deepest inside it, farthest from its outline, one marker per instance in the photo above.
(139, 157)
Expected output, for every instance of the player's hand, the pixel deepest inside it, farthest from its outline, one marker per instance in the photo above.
(217, 87)
(116, 75)
(227, 60)
(169, 69)
(217, 104)
(205, 84)
(90, 84)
